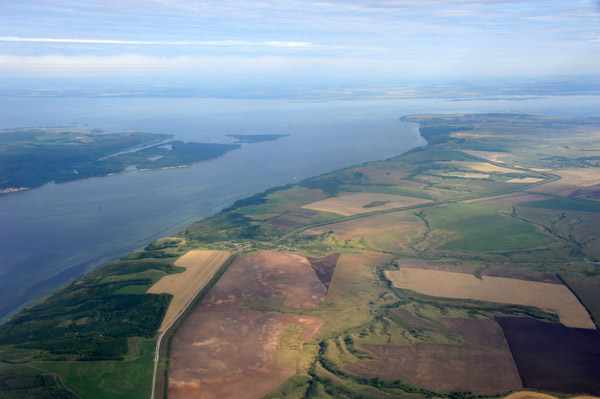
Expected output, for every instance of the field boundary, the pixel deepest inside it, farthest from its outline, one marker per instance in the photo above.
(163, 343)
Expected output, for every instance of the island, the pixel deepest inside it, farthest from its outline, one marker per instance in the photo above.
(30, 158)
(468, 268)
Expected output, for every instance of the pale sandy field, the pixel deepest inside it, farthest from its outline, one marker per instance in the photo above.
(571, 180)
(550, 297)
(353, 204)
(489, 155)
(538, 395)
(524, 180)
(200, 266)
(481, 166)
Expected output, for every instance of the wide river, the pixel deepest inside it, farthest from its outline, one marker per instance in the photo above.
(56, 233)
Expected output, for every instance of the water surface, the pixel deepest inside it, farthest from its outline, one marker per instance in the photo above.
(58, 232)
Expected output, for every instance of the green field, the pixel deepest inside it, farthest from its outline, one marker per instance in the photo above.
(566, 204)
(484, 228)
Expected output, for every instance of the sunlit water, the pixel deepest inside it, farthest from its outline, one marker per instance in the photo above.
(58, 232)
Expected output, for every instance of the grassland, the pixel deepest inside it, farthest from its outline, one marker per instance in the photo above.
(306, 310)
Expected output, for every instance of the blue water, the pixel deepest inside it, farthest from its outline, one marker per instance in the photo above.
(58, 232)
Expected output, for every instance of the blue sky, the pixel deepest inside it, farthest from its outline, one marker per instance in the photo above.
(262, 39)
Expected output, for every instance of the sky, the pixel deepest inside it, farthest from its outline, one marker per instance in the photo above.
(284, 40)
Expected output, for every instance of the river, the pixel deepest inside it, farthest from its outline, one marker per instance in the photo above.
(59, 232)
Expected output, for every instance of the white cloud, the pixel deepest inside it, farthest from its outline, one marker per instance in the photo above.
(238, 43)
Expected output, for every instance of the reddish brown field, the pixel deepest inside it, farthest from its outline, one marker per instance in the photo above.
(483, 364)
(513, 199)
(224, 351)
(324, 267)
(552, 357)
(294, 218)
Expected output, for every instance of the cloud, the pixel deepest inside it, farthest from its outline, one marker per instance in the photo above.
(238, 43)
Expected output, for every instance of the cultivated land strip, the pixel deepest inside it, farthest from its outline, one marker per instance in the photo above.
(159, 382)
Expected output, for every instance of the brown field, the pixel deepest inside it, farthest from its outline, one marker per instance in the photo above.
(324, 267)
(482, 364)
(589, 191)
(481, 166)
(512, 199)
(551, 297)
(349, 268)
(571, 180)
(224, 351)
(353, 204)
(200, 266)
(489, 155)
(292, 219)
(550, 278)
(525, 180)
(389, 232)
(553, 358)
(230, 353)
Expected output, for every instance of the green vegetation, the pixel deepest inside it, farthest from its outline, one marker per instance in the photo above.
(482, 228)
(91, 318)
(108, 379)
(31, 158)
(566, 204)
(108, 320)
(256, 138)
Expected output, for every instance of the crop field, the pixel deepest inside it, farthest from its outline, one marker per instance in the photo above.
(482, 364)
(553, 358)
(525, 180)
(481, 166)
(353, 204)
(292, 219)
(349, 268)
(566, 204)
(500, 157)
(283, 201)
(553, 297)
(465, 175)
(483, 228)
(538, 395)
(227, 351)
(513, 199)
(571, 180)
(200, 266)
(390, 232)
(587, 288)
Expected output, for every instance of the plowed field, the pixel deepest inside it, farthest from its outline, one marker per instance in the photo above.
(224, 351)
(482, 364)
